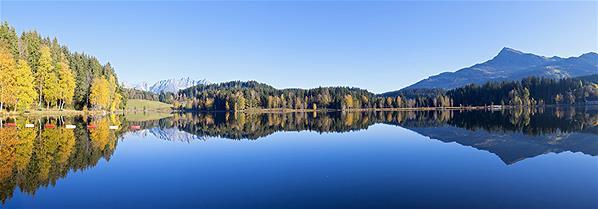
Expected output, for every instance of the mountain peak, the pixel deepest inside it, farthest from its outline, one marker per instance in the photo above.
(511, 64)
(507, 50)
(592, 55)
(169, 85)
(509, 53)
(509, 57)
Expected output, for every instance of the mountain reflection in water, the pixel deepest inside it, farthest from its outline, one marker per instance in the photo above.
(31, 158)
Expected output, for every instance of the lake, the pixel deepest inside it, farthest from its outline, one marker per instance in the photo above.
(518, 158)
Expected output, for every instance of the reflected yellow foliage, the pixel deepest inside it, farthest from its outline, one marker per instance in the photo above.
(24, 148)
(100, 135)
(35, 157)
(8, 145)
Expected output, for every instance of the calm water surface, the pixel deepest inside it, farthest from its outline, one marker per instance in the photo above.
(525, 158)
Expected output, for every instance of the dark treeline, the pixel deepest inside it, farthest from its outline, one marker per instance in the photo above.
(527, 92)
(165, 97)
(140, 94)
(414, 93)
(239, 96)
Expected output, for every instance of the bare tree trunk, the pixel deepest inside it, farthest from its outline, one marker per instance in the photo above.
(1, 99)
(39, 104)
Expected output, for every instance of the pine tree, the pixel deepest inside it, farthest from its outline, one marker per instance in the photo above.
(9, 38)
(31, 43)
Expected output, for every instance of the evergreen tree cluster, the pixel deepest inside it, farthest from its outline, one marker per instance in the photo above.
(140, 94)
(238, 95)
(165, 97)
(39, 72)
(526, 92)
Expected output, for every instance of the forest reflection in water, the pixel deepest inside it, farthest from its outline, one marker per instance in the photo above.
(34, 157)
(31, 158)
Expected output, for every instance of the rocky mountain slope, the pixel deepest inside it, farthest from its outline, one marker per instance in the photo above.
(169, 85)
(511, 64)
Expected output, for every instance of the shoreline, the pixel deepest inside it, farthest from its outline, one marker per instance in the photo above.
(77, 112)
(258, 111)
(280, 110)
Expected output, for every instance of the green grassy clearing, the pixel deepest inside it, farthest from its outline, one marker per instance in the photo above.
(140, 105)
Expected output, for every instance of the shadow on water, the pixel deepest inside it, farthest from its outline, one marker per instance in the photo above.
(36, 157)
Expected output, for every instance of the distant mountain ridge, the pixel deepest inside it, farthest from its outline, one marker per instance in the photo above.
(168, 85)
(511, 64)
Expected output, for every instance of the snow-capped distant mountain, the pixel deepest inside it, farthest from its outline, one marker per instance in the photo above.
(140, 86)
(169, 85)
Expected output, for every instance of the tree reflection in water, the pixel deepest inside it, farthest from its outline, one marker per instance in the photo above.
(34, 157)
(31, 158)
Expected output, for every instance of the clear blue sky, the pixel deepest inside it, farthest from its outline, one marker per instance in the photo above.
(380, 46)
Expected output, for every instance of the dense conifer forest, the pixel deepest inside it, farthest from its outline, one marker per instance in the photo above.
(529, 91)
(238, 96)
(130, 93)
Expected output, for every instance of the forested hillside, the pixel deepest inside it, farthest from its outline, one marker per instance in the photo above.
(414, 93)
(39, 72)
(238, 96)
(529, 91)
(140, 94)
